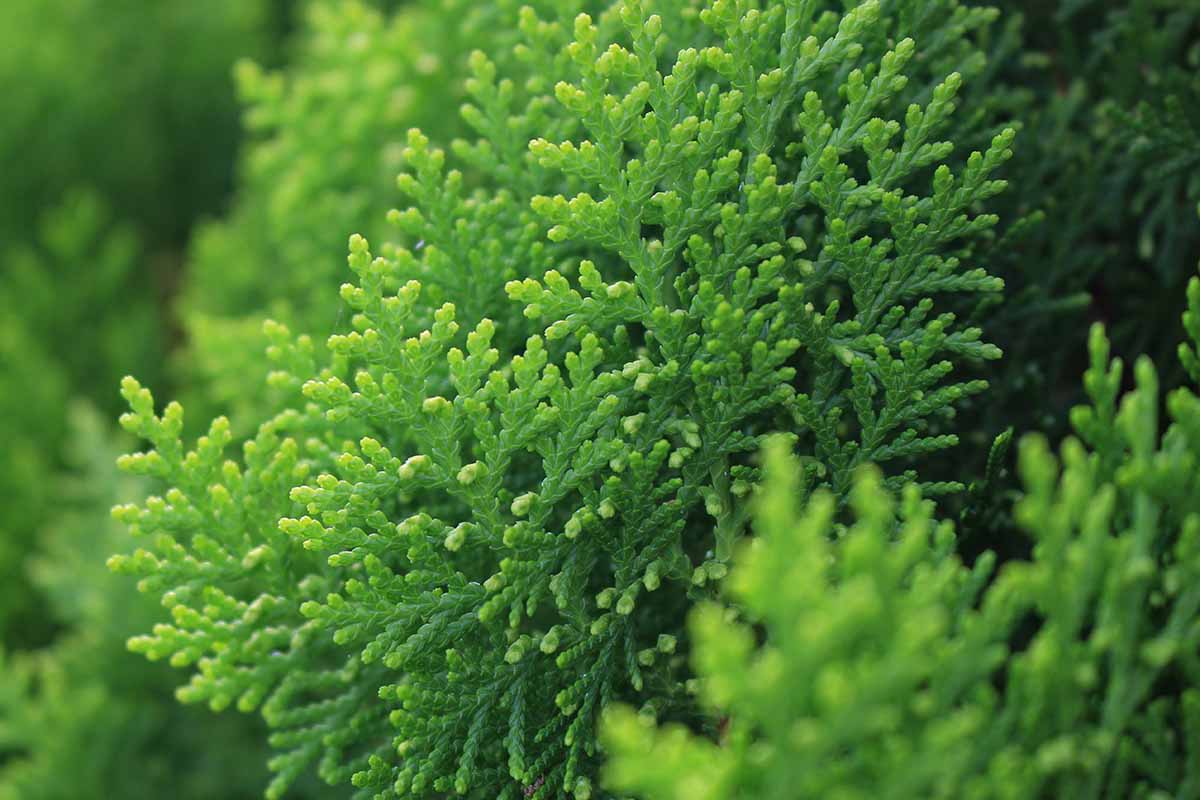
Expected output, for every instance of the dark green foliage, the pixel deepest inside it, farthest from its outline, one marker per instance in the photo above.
(1106, 92)
(27, 422)
(128, 98)
(119, 312)
(45, 360)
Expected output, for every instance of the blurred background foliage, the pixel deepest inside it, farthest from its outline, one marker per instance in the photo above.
(174, 172)
(120, 129)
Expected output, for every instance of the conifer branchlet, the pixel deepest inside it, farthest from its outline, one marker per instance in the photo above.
(494, 496)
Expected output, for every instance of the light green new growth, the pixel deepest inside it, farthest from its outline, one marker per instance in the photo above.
(488, 508)
(891, 667)
(1189, 355)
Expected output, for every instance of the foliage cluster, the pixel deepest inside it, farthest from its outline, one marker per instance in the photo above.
(510, 501)
(497, 522)
(888, 662)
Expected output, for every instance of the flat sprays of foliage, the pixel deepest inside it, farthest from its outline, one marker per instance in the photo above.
(657, 441)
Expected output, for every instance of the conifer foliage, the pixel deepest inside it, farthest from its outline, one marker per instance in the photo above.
(492, 497)
(325, 139)
(882, 649)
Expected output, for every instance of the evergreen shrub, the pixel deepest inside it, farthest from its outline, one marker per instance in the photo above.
(698, 415)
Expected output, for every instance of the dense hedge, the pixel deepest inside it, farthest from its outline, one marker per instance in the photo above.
(494, 522)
